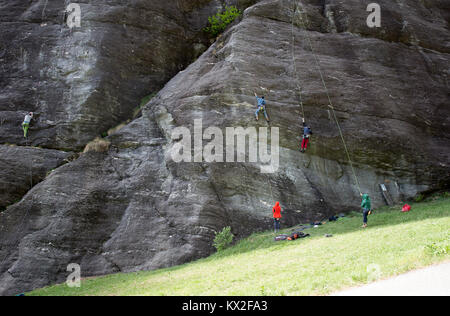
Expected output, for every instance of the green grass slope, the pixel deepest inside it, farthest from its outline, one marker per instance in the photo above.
(393, 243)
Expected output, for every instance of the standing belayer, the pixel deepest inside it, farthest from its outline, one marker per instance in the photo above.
(276, 211)
(366, 205)
(261, 104)
(307, 132)
(26, 124)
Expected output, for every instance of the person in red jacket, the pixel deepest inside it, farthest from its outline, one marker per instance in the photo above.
(276, 210)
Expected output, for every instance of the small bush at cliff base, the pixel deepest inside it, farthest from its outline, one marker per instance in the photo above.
(219, 22)
(223, 239)
(419, 198)
(97, 145)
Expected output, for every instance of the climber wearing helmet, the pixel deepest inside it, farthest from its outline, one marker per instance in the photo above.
(276, 210)
(307, 132)
(26, 124)
(261, 107)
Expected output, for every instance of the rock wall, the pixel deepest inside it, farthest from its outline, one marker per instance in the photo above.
(133, 208)
(22, 168)
(83, 81)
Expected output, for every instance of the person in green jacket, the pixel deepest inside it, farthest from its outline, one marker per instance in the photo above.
(366, 205)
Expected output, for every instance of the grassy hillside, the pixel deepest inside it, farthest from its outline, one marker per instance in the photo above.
(394, 243)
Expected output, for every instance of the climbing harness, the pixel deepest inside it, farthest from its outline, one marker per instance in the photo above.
(330, 105)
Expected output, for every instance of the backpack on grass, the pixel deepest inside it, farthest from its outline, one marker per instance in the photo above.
(297, 235)
(281, 237)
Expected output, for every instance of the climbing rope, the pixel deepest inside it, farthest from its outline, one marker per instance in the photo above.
(294, 63)
(259, 87)
(271, 191)
(330, 105)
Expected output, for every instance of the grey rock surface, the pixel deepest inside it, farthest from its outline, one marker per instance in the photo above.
(21, 168)
(134, 208)
(83, 81)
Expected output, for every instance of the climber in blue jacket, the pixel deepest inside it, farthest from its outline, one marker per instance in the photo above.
(307, 133)
(261, 107)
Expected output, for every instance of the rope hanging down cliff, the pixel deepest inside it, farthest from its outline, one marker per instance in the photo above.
(294, 63)
(330, 105)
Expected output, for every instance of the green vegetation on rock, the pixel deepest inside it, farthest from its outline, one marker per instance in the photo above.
(219, 22)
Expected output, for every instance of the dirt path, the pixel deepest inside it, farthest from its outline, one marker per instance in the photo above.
(431, 281)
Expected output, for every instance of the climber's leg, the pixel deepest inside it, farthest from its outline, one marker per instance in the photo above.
(365, 219)
(266, 115)
(276, 224)
(25, 127)
(306, 143)
(256, 114)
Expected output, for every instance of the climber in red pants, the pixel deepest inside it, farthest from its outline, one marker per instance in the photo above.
(307, 132)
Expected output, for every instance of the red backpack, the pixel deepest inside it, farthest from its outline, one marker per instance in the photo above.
(406, 208)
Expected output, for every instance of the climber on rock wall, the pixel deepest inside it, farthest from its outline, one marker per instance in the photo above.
(307, 132)
(26, 124)
(261, 107)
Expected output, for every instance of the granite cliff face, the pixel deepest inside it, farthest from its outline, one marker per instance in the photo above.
(83, 81)
(132, 207)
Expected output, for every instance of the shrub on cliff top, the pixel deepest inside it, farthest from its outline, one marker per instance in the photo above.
(219, 22)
